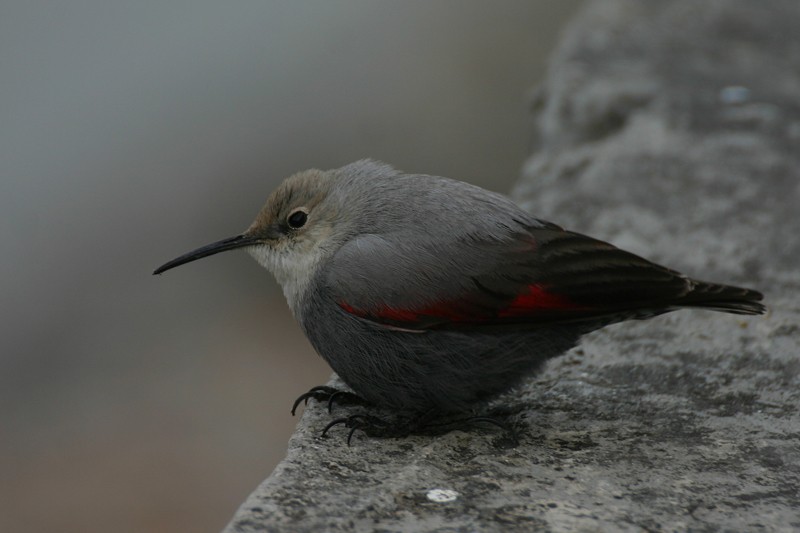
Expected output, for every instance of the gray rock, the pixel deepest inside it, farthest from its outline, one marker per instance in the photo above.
(671, 129)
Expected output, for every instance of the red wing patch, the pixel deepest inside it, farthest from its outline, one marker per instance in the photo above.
(536, 301)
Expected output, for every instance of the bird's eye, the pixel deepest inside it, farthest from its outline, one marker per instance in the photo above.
(297, 219)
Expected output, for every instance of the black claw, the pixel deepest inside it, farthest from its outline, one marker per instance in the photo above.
(350, 435)
(330, 402)
(358, 421)
(314, 392)
(344, 397)
(297, 402)
(333, 423)
(324, 393)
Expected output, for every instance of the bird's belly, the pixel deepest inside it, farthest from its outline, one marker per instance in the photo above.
(435, 370)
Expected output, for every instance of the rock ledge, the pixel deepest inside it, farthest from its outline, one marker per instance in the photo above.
(670, 129)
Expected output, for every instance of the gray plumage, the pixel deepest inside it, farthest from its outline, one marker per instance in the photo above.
(429, 295)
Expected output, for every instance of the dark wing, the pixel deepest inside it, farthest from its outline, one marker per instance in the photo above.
(542, 275)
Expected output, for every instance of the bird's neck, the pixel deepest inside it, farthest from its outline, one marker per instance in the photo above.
(294, 272)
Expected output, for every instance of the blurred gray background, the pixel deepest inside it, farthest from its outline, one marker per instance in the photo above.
(133, 132)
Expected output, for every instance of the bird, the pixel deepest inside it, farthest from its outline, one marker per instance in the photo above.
(430, 297)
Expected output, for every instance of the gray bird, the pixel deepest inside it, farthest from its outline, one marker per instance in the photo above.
(429, 296)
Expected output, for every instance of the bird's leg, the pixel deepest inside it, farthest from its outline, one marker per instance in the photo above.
(323, 393)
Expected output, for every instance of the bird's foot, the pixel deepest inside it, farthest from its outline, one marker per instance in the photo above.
(393, 424)
(371, 425)
(425, 424)
(331, 395)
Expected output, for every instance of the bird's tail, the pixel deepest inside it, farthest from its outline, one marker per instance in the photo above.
(725, 298)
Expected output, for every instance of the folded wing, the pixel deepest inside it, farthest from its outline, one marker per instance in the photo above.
(537, 276)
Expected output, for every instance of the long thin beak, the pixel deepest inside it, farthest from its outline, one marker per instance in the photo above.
(231, 243)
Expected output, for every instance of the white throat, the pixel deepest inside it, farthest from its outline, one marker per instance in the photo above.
(294, 271)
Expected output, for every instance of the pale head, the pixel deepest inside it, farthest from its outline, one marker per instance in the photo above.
(297, 228)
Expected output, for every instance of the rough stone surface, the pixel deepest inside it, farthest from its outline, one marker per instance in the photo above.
(671, 129)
